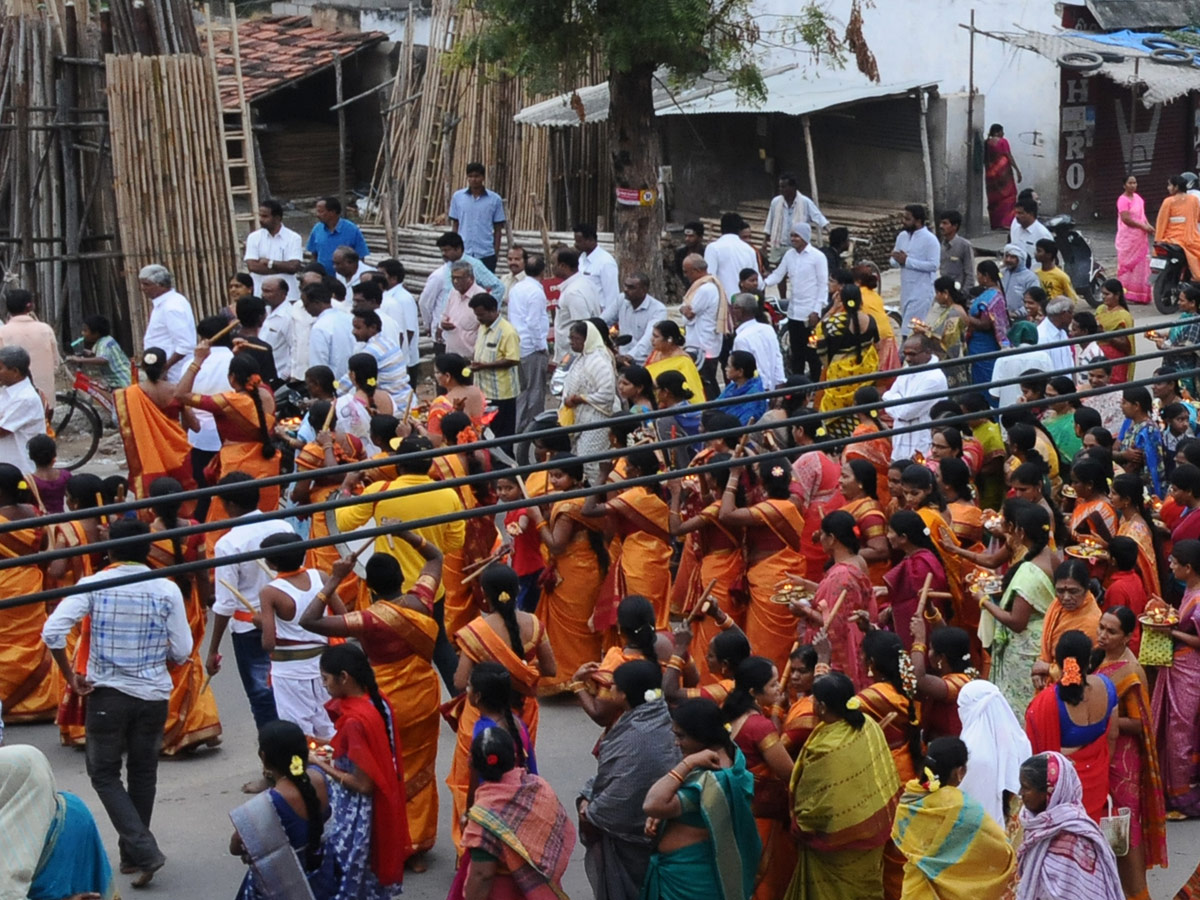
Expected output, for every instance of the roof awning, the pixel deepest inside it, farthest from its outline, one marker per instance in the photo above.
(790, 90)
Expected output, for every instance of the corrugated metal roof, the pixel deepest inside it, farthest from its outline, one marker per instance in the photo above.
(1163, 82)
(790, 90)
(1114, 14)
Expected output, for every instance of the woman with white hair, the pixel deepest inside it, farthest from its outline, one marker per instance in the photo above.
(997, 745)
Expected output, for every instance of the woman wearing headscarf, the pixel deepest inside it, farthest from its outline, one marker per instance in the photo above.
(1063, 854)
(589, 394)
(52, 849)
(997, 745)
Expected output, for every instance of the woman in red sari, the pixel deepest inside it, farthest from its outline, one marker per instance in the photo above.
(875, 450)
(815, 479)
(919, 560)
(245, 418)
(482, 538)
(858, 486)
(1001, 174)
(922, 496)
(773, 530)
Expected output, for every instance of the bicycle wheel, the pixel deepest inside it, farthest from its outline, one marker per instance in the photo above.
(77, 430)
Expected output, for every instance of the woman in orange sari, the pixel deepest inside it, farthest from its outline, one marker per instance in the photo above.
(1093, 513)
(875, 450)
(28, 688)
(815, 478)
(453, 375)
(576, 570)
(331, 448)
(858, 485)
(397, 631)
(245, 419)
(966, 519)
(801, 716)
(643, 559)
(192, 717)
(1133, 521)
(482, 538)
(154, 426)
(773, 530)
(640, 640)
(1133, 773)
(515, 640)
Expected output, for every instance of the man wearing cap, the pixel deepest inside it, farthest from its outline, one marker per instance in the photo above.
(787, 208)
(1016, 279)
(807, 272)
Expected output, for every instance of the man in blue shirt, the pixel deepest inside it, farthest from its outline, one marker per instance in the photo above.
(331, 232)
(478, 215)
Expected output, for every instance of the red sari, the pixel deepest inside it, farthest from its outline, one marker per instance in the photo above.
(844, 636)
(1091, 762)
(1001, 184)
(876, 451)
(815, 478)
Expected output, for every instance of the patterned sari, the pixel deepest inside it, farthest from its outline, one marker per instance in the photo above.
(28, 688)
(815, 478)
(843, 634)
(1176, 714)
(878, 452)
(871, 523)
(1014, 653)
(770, 626)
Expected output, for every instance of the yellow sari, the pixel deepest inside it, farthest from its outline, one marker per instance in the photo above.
(30, 691)
(681, 363)
(643, 560)
(312, 459)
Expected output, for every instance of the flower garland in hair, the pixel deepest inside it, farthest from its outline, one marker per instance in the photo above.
(253, 382)
(652, 694)
(777, 472)
(371, 382)
(466, 372)
(931, 782)
(467, 436)
(150, 358)
(908, 675)
(1071, 673)
(970, 671)
(296, 768)
(853, 703)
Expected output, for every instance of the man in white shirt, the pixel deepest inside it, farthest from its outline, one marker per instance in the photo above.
(278, 330)
(22, 415)
(369, 294)
(729, 254)
(136, 631)
(402, 306)
(577, 299)
(1023, 357)
(634, 313)
(331, 342)
(787, 208)
(274, 250)
(807, 272)
(758, 338)
(528, 314)
(210, 380)
(248, 578)
(904, 409)
(1053, 328)
(348, 268)
(172, 324)
(597, 264)
(1025, 230)
(706, 309)
(918, 254)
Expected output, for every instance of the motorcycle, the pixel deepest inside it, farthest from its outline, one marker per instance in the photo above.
(1078, 262)
(1170, 262)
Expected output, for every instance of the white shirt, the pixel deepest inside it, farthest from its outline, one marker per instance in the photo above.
(331, 341)
(600, 267)
(433, 297)
(283, 246)
(807, 272)
(760, 340)
(354, 279)
(172, 328)
(213, 378)
(917, 276)
(528, 314)
(702, 327)
(1049, 333)
(248, 577)
(781, 217)
(137, 628)
(22, 414)
(278, 332)
(300, 335)
(1011, 365)
(400, 305)
(577, 300)
(1028, 237)
(915, 384)
(638, 322)
(726, 257)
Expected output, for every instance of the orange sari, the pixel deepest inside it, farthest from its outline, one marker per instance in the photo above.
(871, 522)
(155, 444)
(192, 717)
(1059, 621)
(28, 688)
(966, 521)
(72, 708)
(1102, 507)
(399, 645)
(569, 599)
(480, 643)
(643, 562)
(876, 451)
(964, 611)
(722, 559)
(771, 627)
(482, 540)
(799, 724)
(312, 459)
(755, 737)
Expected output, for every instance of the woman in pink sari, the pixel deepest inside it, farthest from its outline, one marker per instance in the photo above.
(816, 477)
(1133, 257)
(1002, 177)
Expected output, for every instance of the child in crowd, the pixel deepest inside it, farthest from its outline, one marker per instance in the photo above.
(51, 482)
(300, 695)
(1125, 586)
(1176, 425)
(116, 490)
(99, 351)
(527, 559)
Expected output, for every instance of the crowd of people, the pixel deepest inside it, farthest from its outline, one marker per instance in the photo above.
(920, 633)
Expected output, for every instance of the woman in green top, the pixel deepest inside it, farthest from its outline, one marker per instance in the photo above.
(1012, 630)
(1059, 419)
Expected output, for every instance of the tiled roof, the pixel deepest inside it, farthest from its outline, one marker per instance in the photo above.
(278, 50)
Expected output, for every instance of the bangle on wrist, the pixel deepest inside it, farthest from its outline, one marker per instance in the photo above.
(726, 624)
(917, 647)
(673, 774)
(821, 669)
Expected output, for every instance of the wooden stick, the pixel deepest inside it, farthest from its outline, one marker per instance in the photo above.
(240, 596)
(262, 565)
(521, 485)
(833, 612)
(482, 567)
(787, 667)
(329, 415)
(886, 720)
(100, 507)
(224, 331)
(207, 682)
(412, 395)
(697, 610)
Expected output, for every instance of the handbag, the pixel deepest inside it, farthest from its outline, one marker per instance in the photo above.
(1116, 828)
(1157, 648)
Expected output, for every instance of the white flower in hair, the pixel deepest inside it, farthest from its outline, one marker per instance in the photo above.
(652, 694)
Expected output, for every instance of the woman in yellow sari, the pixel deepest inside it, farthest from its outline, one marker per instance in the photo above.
(773, 529)
(28, 688)
(953, 849)
(889, 351)
(1133, 521)
(332, 447)
(848, 335)
(154, 426)
(667, 355)
(397, 631)
(482, 538)
(1113, 315)
(245, 419)
(192, 717)
(843, 796)
(578, 563)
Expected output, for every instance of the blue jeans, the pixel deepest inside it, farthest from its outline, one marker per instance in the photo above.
(254, 665)
(528, 592)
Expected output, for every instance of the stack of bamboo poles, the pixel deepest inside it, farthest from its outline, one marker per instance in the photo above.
(172, 193)
(157, 27)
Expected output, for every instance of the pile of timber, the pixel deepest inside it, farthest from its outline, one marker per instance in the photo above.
(172, 191)
(154, 28)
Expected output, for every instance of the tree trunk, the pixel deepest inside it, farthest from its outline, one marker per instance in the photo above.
(636, 156)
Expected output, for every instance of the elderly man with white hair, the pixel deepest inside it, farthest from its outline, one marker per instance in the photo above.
(807, 273)
(757, 338)
(1053, 328)
(172, 324)
(22, 415)
(706, 308)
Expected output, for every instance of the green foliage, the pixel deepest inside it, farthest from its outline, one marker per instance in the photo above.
(1188, 38)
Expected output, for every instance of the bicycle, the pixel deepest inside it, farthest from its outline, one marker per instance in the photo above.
(75, 424)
